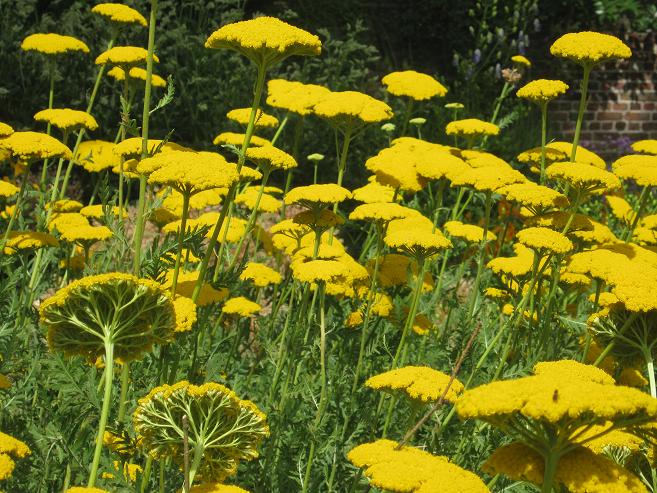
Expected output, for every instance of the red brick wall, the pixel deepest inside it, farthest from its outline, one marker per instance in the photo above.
(622, 105)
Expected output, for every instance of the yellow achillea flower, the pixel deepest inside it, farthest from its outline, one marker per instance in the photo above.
(541, 91)
(436, 165)
(589, 48)
(207, 198)
(419, 383)
(223, 429)
(96, 155)
(414, 85)
(136, 73)
(191, 173)
(7, 189)
(119, 13)
(638, 167)
(521, 60)
(395, 270)
(373, 193)
(417, 242)
(545, 241)
(124, 56)
(5, 130)
(319, 195)
(579, 471)
(320, 270)
(572, 370)
(517, 266)
(471, 127)
(131, 148)
(185, 311)
(538, 199)
(241, 306)
(380, 212)
(399, 177)
(488, 179)
(584, 177)
(29, 146)
(236, 139)
(268, 158)
(67, 119)
(294, 96)
(533, 155)
(98, 211)
(215, 488)
(265, 40)
(351, 109)
(129, 312)
(53, 44)
(10, 448)
(64, 205)
(647, 146)
(83, 234)
(583, 155)
(185, 287)
(468, 232)
(262, 120)
(61, 220)
(411, 470)
(620, 208)
(260, 275)
(248, 197)
(557, 220)
(28, 240)
(611, 439)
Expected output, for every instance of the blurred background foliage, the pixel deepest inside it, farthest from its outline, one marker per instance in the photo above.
(466, 45)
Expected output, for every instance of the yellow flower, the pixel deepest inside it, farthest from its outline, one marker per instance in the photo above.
(552, 154)
(420, 383)
(67, 119)
(96, 155)
(85, 489)
(545, 241)
(620, 208)
(268, 203)
(265, 40)
(557, 220)
(260, 274)
(471, 127)
(440, 165)
(136, 73)
(10, 448)
(351, 109)
(517, 266)
(521, 60)
(269, 158)
(60, 221)
(488, 179)
(313, 271)
(380, 212)
(5, 130)
(536, 198)
(131, 148)
(417, 242)
(414, 85)
(64, 205)
(241, 306)
(7, 189)
(319, 195)
(98, 211)
(542, 90)
(411, 470)
(638, 167)
(589, 48)
(83, 234)
(647, 146)
(191, 173)
(584, 177)
(583, 155)
(29, 146)
(119, 14)
(468, 232)
(373, 193)
(294, 96)
(235, 139)
(28, 240)
(262, 120)
(185, 311)
(187, 282)
(53, 44)
(125, 56)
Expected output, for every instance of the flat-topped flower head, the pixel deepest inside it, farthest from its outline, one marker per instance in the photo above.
(417, 242)
(10, 448)
(538, 199)
(533, 155)
(192, 173)
(187, 282)
(488, 178)
(545, 241)
(241, 306)
(119, 309)
(237, 139)
(266, 203)
(28, 241)
(589, 48)
(269, 158)
(96, 155)
(517, 266)
(294, 96)
(583, 155)
(99, 211)
(135, 74)
(320, 270)
(124, 56)
(471, 127)
(521, 60)
(471, 233)
(31, 146)
(223, 429)
(8, 190)
(351, 109)
(646, 146)
(262, 119)
(53, 44)
(120, 14)
(414, 85)
(265, 40)
(260, 275)
(541, 91)
(5, 130)
(373, 193)
(411, 470)
(440, 164)
(318, 195)
(67, 119)
(641, 168)
(583, 177)
(419, 383)
(380, 212)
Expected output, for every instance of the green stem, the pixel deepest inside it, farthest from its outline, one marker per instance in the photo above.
(181, 236)
(196, 462)
(412, 310)
(580, 111)
(51, 98)
(551, 462)
(280, 128)
(125, 383)
(147, 474)
(543, 140)
(407, 116)
(472, 308)
(645, 193)
(107, 397)
(19, 200)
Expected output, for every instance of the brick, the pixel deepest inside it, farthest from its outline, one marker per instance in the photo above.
(648, 106)
(593, 126)
(620, 125)
(637, 116)
(558, 116)
(649, 126)
(609, 115)
(607, 126)
(635, 106)
(619, 106)
(634, 126)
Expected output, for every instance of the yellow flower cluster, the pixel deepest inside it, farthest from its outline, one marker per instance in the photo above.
(468, 232)
(215, 488)
(380, 212)
(414, 85)
(119, 13)
(471, 127)
(236, 139)
(420, 383)
(545, 241)
(28, 240)
(542, 90)
(588, 48)
(416, 238)
(260, 275)
(521, 60)
(647, 146)
(187, 282)
(7, 189)
(411, 470)
(10, 448)
(269, 158)
(136, 73)
(53, 44)
(267, 203)
(584, 177)
(536, 198)
(374, 193)
(241, 306)
(318, 195)
(5, 130)
(294, 96)
(124, 56)
(351, 109)
(638, 167)
(262, 119)
(29, 146)
(488, 178)
(67, 119)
